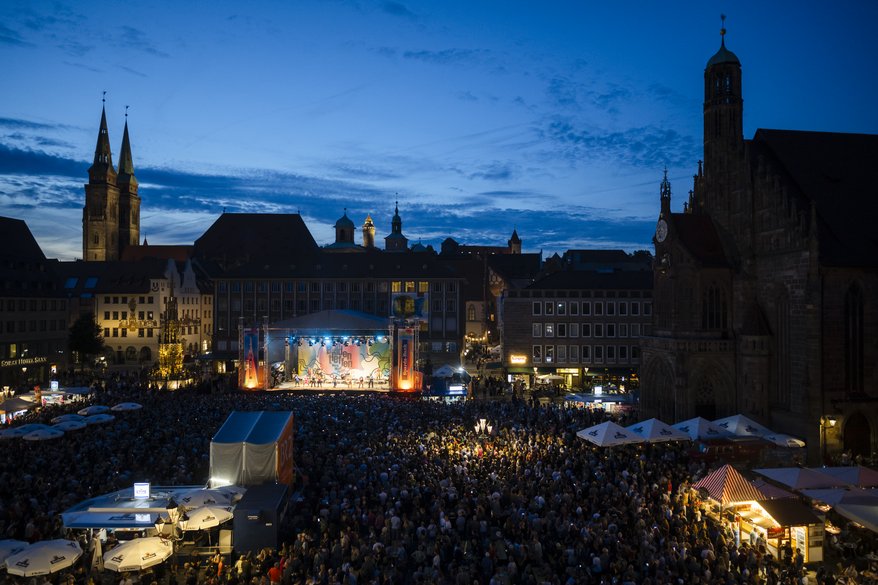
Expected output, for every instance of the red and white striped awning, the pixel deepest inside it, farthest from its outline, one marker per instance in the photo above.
(727, 486)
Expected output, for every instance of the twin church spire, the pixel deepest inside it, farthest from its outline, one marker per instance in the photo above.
(111, 216)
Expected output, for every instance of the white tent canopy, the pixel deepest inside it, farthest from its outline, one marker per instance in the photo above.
(835, 496)
(609, 434)
(865, 514)
(699, 428)
(742, 426)
(656, 431)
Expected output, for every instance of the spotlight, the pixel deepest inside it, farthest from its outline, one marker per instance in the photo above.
(310, 342)
(322, 343)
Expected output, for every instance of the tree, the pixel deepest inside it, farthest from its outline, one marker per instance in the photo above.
(85, 339)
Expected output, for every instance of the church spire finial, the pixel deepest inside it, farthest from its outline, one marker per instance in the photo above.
(722, 30)
(103, 160)
(126, 161)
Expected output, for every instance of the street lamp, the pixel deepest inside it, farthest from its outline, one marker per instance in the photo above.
(826, 421)
(482, 427)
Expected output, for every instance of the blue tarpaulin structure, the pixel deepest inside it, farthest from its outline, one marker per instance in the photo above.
(253, 448)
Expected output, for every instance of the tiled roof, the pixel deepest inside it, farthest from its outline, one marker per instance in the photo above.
(698, 235)
(592, 279)
(837, 172)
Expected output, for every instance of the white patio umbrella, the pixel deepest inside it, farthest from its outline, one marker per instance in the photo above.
(784, 440)
(235, 492)
(198, 498)
(68, 417)
(138, 554)
(19, 432)
(11, 547)
(126, 407)
(70, 425)
(742, 426)
(44, 434)
(44, 557)
(93, 409)
(609, 434)
(656, 431)
(97, 419)
(206, 517)
(699, 428)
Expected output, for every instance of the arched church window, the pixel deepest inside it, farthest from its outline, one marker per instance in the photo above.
(714, 308)
(853, 339)
(471, 313)
(782, 338)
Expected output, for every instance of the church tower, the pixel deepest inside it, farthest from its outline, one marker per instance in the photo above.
(395, 241)
(719, 191)
(368, 233)
(514, 243)
(129, 200)
(723, 104)
(100, 216)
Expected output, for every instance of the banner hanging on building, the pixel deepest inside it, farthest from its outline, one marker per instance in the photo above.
(250, 360)
(405, 359)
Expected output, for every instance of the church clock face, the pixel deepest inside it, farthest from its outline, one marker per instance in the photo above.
(661, 230)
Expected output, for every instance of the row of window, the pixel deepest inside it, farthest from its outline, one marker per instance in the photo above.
(32, 348)
(277, 286)
(124, 300)
(589, 329)
(33, 326)
(116, 315)
(574, 354)
(623, 308)
(33, 305)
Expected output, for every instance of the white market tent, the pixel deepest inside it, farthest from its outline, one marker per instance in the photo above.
(609, 434)
(836, 496)
(862, 513)
(699, 428)
(253, 447)
(742, 426)
(852, 475)
(800, 478)
(655, 431)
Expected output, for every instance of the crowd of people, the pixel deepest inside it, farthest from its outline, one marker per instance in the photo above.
(393, 490)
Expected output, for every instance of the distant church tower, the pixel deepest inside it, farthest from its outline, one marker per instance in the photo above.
(514, 243)
(396, 242)
(111, 216)
(368, 233)
(344, 230)
(129, 200)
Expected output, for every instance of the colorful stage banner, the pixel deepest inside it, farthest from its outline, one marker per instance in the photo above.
(250, 363)
(405, 359)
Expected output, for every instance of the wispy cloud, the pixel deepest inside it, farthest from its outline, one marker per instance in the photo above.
(178, 206)
(443, 57)
(642, 147)
(11, 37)
(397, 9)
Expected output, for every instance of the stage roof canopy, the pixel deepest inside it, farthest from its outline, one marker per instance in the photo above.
(334, 320)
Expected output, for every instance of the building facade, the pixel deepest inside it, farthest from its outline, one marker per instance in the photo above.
(765, 285)
(583, 326)
(34, 319)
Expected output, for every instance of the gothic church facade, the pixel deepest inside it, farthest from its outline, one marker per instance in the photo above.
(766, 285)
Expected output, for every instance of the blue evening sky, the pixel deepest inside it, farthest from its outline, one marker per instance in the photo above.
(556, 118)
